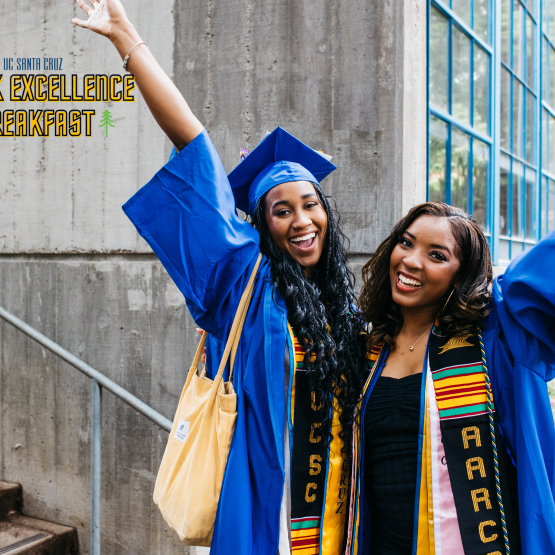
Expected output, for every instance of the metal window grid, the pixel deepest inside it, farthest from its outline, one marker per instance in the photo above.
(546, 74)
(454, 21)
(534, 88)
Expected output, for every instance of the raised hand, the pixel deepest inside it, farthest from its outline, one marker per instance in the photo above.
(108, 18)
(103, 16)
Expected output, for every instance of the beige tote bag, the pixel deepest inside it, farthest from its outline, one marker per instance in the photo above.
(190, 478)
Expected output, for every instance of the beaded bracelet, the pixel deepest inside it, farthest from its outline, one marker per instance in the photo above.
(127, 57)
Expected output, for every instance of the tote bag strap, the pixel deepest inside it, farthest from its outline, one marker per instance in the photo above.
(240, 330)
(237, 326)
(234, 337)
(200, 348)
(193, 370)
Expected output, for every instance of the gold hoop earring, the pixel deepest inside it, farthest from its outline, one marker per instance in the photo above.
(446, 302)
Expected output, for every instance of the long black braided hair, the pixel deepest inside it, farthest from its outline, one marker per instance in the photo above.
(313, 304)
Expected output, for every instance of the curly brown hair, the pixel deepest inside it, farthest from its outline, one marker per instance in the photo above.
(470, 302)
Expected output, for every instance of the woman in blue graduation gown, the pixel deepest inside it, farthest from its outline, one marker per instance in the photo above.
(300, 317)
(457, 397)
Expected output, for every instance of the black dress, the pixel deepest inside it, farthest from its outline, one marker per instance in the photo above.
(391, 423)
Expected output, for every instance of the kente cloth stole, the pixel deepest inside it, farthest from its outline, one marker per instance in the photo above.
(319, 475)
(457, 510)
(353, 522)
(457, 436)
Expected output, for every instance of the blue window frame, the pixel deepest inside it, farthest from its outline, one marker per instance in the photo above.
(547, 201)
(491, 127)
(518, 128)
(460, 84)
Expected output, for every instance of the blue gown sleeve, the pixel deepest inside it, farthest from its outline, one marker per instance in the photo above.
(522, 350)
(187, 215)
(524, 299)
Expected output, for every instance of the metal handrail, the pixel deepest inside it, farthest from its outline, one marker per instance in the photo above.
(99, 381)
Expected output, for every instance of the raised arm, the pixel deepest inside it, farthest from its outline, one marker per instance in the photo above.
(108, 18)
(186, 212)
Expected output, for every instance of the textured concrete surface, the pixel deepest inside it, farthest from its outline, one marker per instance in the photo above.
(127, 319)
(332, 73)
(347, 77)
(63, 194)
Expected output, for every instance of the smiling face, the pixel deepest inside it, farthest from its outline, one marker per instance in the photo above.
(297, 222)
(423, 265)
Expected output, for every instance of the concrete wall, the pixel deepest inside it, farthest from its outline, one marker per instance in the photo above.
(346, 77)
(61, 194)
(126, 318)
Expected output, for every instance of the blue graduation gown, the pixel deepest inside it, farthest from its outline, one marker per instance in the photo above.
(519, 340)
(187, 215)
(519, 337)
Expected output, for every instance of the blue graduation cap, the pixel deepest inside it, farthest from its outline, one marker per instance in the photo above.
(278, 158)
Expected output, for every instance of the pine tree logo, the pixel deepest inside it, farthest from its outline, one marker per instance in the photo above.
(106, 120)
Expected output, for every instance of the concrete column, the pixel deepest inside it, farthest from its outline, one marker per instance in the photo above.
(415, 104)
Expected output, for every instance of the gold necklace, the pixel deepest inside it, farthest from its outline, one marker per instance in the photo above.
(411, 347)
